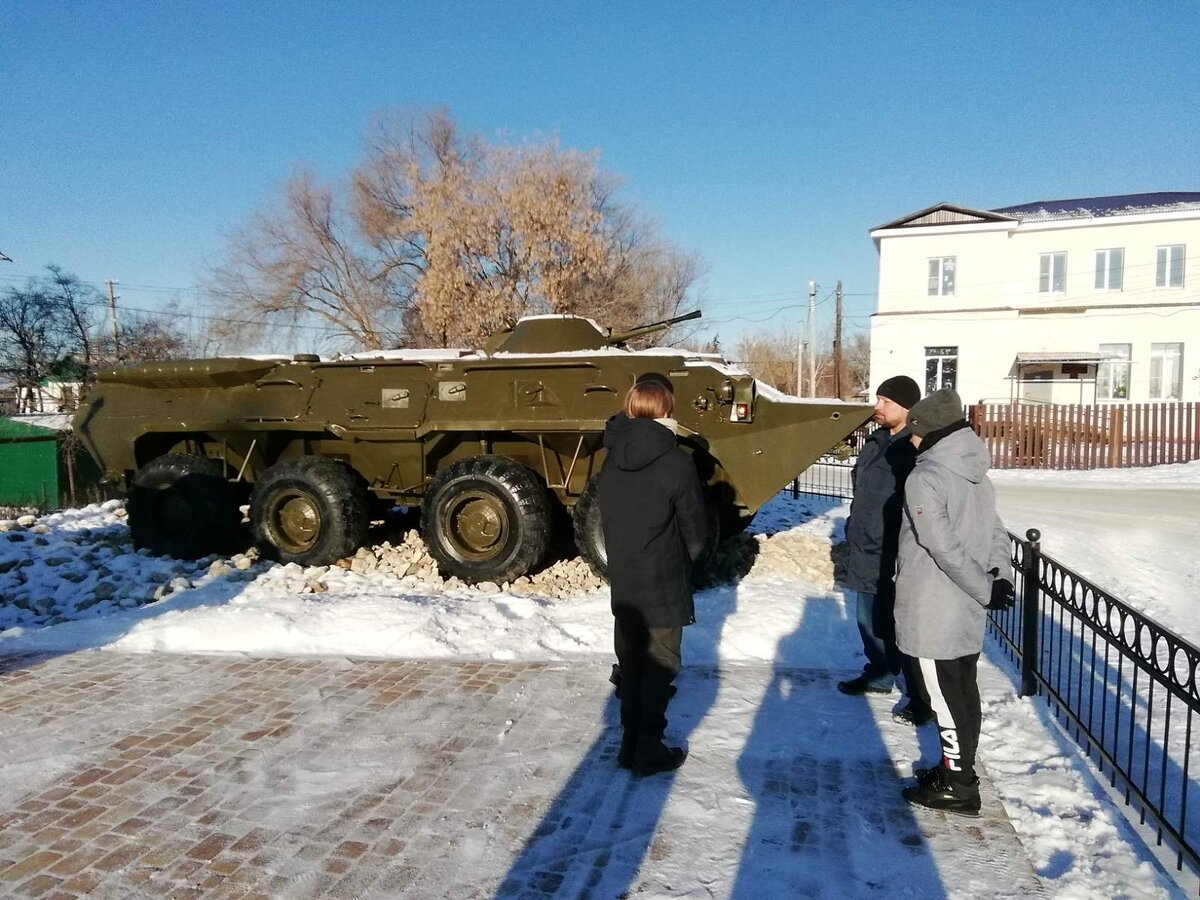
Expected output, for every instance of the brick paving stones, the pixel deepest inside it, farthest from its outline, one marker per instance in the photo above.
(131, 776)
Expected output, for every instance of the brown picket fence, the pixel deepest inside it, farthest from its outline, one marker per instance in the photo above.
(1076, 436)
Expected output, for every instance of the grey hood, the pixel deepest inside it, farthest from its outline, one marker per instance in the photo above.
(962, 452)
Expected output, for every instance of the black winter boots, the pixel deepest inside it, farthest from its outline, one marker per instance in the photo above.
(934, 791)
(653, 756)
(628, 749)
(649, 755)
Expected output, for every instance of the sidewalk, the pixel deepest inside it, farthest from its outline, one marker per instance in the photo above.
(188, 776)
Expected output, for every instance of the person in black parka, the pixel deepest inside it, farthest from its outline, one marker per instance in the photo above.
(653, 516)
(872, 535)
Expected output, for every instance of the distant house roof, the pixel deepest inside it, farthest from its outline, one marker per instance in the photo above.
(34, 425)
(946, 214)
(21, 429)
(1103, 207)
(1048, 210)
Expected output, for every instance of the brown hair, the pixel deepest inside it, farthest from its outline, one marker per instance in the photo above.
(649, 400)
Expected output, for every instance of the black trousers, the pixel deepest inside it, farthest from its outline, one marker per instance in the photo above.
(650, 660)
(951, 688)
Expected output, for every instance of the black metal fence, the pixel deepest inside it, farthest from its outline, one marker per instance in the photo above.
(829, 476)
(1121, 684)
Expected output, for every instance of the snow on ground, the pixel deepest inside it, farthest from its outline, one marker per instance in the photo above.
(1077, 839)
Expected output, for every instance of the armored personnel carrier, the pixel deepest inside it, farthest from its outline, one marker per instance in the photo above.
(497, 446)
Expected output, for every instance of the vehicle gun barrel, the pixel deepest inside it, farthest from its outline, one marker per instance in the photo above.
(619, 337)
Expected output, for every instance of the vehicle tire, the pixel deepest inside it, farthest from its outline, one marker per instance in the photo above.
(589, 536)
(309, 510)
(181, 505)
(487, 518)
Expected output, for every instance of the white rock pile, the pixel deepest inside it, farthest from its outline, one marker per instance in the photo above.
(410, 562)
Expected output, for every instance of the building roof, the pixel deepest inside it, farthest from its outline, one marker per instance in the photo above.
(1103, 207)
(21, 428)
(946, 214)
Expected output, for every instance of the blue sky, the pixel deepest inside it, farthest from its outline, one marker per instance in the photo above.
(768, 137)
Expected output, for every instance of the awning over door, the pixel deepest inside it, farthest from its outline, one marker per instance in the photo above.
(1089, 358)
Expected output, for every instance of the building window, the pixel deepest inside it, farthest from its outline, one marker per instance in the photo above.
(1166, 371)
(1112, 376)
(1110, 269)
(1052, 276)
(1169, 270)
(941, 368)
(941, 277)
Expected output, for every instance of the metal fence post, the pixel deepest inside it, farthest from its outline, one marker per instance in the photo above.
(1031, 604)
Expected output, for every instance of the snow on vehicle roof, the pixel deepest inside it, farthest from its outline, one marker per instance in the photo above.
(777, 396)
(690, 357)
(431, 353)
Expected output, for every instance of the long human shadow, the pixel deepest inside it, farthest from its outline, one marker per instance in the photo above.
(829, 820)
(593, 838)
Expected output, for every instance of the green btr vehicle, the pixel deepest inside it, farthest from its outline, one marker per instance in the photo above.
(498, 447)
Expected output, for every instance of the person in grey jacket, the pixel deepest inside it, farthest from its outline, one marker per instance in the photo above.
(872, 533)
(952, 566)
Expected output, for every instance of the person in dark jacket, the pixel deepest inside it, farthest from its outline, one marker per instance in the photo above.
(872, 533)
(653, 516)
(953, 565)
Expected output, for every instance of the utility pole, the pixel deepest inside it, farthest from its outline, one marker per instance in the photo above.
(810, 344)
(801, 349)
(112, 311)
(837, 345)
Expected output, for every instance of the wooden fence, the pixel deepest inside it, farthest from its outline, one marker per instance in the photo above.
(1073, 436)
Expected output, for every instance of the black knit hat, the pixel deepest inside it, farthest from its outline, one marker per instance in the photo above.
(656, 378)
(901, 389)
(939, 410)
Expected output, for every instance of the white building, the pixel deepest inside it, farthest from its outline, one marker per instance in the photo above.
(1062, 301)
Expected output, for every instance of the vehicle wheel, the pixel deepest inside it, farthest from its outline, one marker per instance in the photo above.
(309, 510)
(589, 536)
(181, 505)
(487, 518)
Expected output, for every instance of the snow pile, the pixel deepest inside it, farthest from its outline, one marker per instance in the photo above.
(81, 564)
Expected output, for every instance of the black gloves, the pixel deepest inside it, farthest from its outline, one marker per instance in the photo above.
(1003, 595)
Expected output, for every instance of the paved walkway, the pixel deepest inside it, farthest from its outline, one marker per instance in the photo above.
(167, 776)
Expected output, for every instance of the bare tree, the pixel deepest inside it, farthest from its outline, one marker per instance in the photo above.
(303, 262)
(52, 329)
(858, 360)
(46, 330)
(772, 357)
(441, 239)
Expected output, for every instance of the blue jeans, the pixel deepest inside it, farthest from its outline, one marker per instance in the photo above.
(877, 626)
